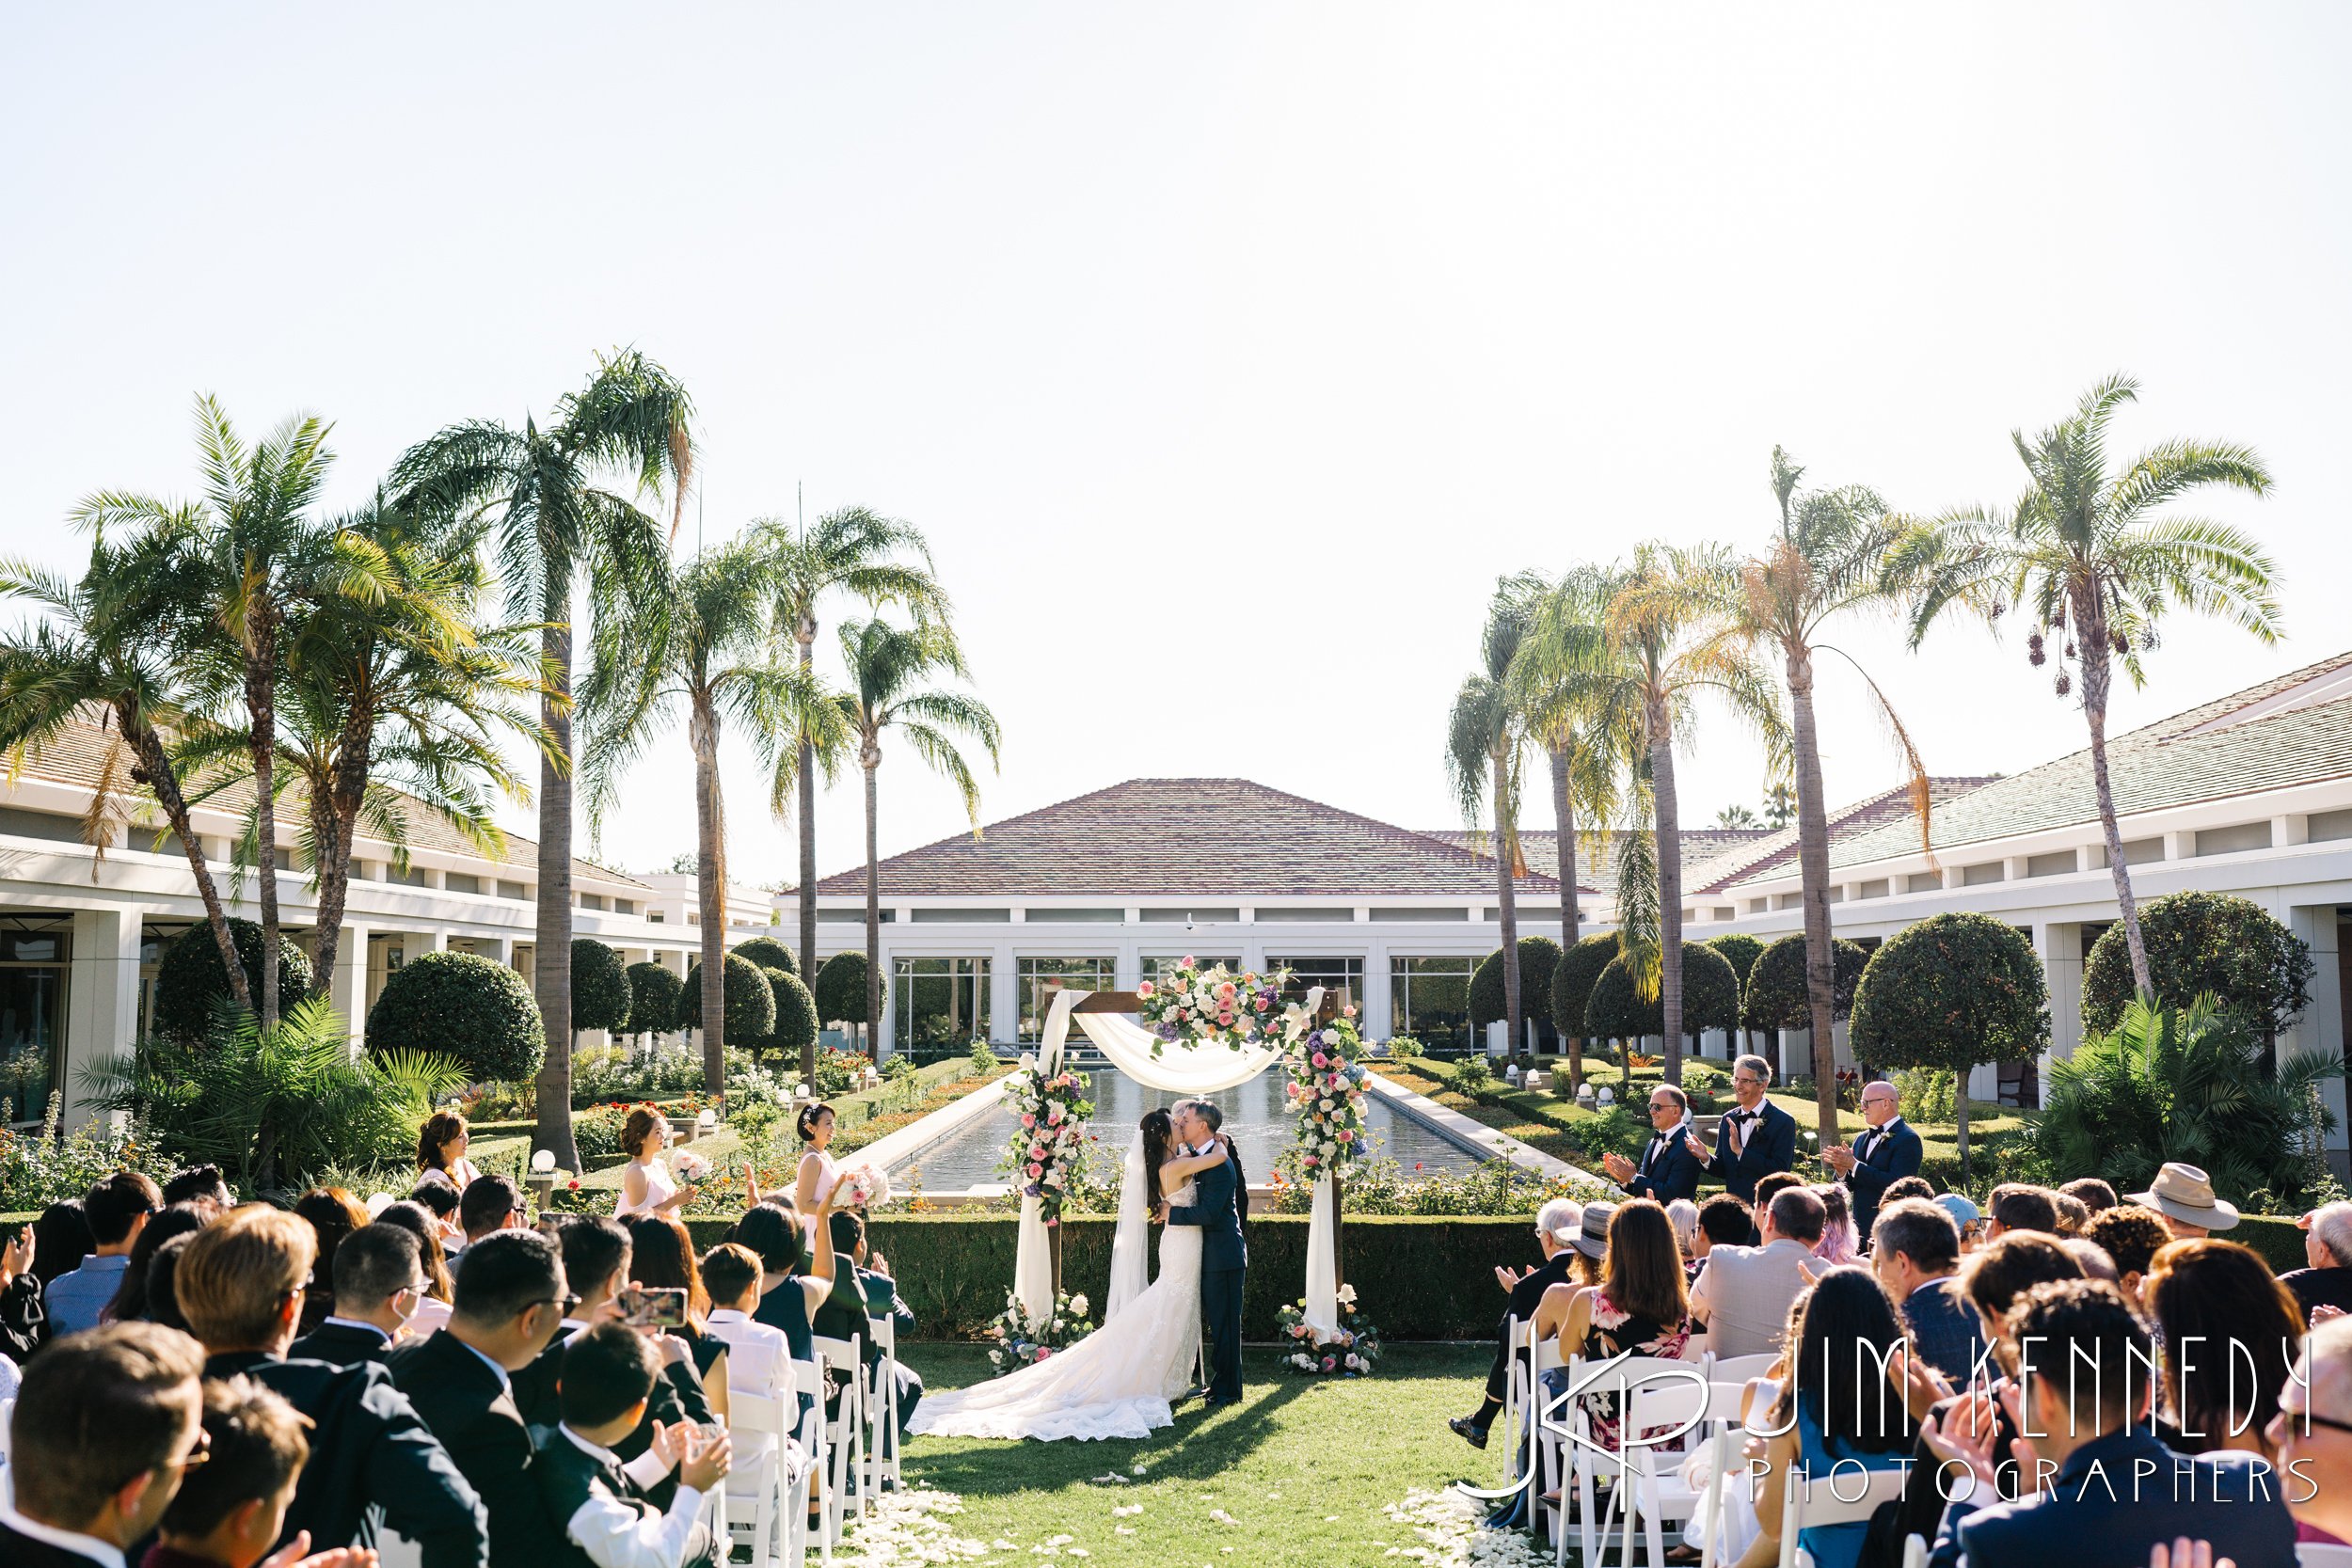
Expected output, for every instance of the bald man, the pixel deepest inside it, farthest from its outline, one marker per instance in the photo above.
(1887, 1151)
(2313, 1432)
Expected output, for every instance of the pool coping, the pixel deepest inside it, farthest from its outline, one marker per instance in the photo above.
(1476, 1137)
(895, 1149)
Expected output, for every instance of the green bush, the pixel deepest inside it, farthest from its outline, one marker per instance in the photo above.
(1471, 1073)
(601, 995)
(1742, 949)
(901, 1066)
(1539, 956)
(190, 978)
(1403, 1047)
(751, 1014)
(983, 1059)
(1928, 1093)
(653, 991)
(840, 988)
(474, 1009)
(767, 953)
(1578, 972)
(838, 1072)
(795, 1015)
(2202, 943)
(597, 1130)
(1774, 995)
(1710, 999)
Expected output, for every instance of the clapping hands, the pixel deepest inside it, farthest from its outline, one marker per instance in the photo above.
(2184, 1553)
(1966, 1432)
(1620, 1169)
(290, 1556)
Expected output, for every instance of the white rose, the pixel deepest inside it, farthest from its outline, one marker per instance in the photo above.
(1028, 1062)
(1078, 1306)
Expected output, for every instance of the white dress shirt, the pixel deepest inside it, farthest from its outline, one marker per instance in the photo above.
(98, 1551)
(759, 1357)
(616, 1532)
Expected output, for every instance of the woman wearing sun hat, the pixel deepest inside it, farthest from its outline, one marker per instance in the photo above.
(2183, 1195)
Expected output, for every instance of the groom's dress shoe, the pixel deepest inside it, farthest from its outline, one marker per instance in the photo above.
(1191, 1394)
(1474, 1435)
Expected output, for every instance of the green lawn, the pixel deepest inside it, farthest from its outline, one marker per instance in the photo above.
(1301, 1470)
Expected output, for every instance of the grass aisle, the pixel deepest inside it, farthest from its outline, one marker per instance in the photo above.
(1299, 1474)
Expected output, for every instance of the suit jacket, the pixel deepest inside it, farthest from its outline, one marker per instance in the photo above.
(1669, 1170)
(1559, 1268)
(1216, 1210)
(19, 1550)
(368, 1446)
(469, 1409)
(856, 1300)
(678, 1396)
(338, 1346)
(2110, 1517)
(1945, 1328)
(1880, 1159)
(2320, 1287)
(1772, 1145)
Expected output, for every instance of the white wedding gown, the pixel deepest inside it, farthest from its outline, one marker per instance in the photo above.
(1117, 1382)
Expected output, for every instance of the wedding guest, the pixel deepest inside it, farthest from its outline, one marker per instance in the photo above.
(662, 1258)
(1767, 1189)
(1756, 1138)
(61, 1239)
(1723, 1221)
(813, 1181)
(332, 1215)
(1672, 1161)
(380, 1281)
(607, 1508)
(201, 1185)
(1557, 1224)
(510, 1301)
(795, 1280)
(2311, 1434)
(179, 1219)
(241, 1282)
(1908, 1186)
(2327, 1278)
(758, 1358)
(1835, 1411)
(117, 1210)
(231, 1509)
(441, 1287)
(2093, 1258)
(1916, 1253)
(646, 1184)
(2229, 1332)
(163, 1295)
(1743, 1296)
(1839, 1245)
(2183, 1195)
(2092, 1192)
(2131, 1236)
(2114, 1490)
(2074, 1215)
(489, 1204)
(1640, 1305)
(1886, 1151)
(119, 1413)
(858, 1294)
(2020, 1206)
(437, 1197)
(441, 1145)
(1684, 1217)
(1965, 1216)
(23, 1316)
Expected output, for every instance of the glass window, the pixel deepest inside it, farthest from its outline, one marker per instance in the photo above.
(1429, 999)
(32, 1022)
(1151, 967)
(939, 1006)
(1041, 977)
(1327, 972)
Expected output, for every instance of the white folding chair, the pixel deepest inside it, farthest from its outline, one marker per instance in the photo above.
(1809, 1502)
(808, 1377)
(844, 1433)
(2313, 1553)
(756, 1423)
(1652, 1485)
(7, 1478)
(397, 1551)
(1738, 1368)
(881, 1456)
(1915, 1551)
(1516, 1380)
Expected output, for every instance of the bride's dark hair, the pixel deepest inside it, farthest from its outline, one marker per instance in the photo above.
(1156, 1129)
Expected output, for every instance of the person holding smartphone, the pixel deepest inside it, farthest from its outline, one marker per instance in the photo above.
(23, 1318)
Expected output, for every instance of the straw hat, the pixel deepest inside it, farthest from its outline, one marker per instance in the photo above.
(1594, 1243)
(2185, 1194)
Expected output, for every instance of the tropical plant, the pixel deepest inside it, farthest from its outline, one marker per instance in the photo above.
(887, 666)
(543, 490)
(1775, 996)
(2187, 1083)
(473, 1011)
(750, 1005)
(876, 559)
(191, 982)
(2095, 561)
(796, 1028)
(601, 994)
(1572, 981)
(1735, 817)
(1826, 561)
(653, 997)
(2198, 944)
(767, 953)
(1711, 1000)
(1950, 992)
(1485, 746)
(1780, 806)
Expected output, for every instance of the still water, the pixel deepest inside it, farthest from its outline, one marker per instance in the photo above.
(1254, 1115)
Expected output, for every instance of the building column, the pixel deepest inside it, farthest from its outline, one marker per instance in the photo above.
(1004, 996)
(347, 987)
(2321, 1028)
(2059, 946)
(102, 1007)
(1375, 1016)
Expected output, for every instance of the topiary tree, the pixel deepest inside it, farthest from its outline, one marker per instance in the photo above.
(750, 1005)
(1774, 999)
(795, 1015)
(767, 953)
(1951, 991)
(2200, 943)
(1539, 959)
(467, 1007)
(840, 989)
(1710, 998)
(601, 996)
(1742, 950)
(190, 978)
(1572, 982)
(653, 991)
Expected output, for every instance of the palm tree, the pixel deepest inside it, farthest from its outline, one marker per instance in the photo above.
(887, 666)
(1827, 560)
(1486, 744)
(1735, 817)
(543, 489)
(1780, 806)
(2087, 554)
(881, 561)
(712, 656)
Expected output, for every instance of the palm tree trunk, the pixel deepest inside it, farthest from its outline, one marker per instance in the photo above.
(805, 632)
(154, 770)
(871, 762)
(261, 701)
(1564, 820)
(710, 865)
(1662, 770)
(1813, 864)
(2097, 677)
(346, 791)
(1507, 834)
(551, 962)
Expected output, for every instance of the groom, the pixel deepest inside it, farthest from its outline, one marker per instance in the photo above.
(1218, 1209)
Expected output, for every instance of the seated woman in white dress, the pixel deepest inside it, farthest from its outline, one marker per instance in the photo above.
(646, 1186)
(812, 1184)
(1117, 1382)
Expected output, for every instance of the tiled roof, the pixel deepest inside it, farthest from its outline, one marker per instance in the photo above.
(1778, 848)
(2266, 737)
(1186, 838)
(1597, 873)
(77, 757)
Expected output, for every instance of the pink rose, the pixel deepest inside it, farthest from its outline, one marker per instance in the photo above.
(1028, 1121)
(1328, 1363)
(1320, 1060)
(1347, 1137)
(1144, 990)
(1035, 1171)
(1042, 1353)
(1262, 1004)
(1225, 1020)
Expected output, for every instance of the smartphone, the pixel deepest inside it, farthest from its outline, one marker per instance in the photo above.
(644, 1307)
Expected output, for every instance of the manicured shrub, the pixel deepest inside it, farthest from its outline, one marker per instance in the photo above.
(1710, 999)
(767, 953)
(840, 988)
(1573, 979)
(190, 978)
(1742, 949)
(601, 995)
(465, 1006)
(1775, 998)
(1540, 958)
(795, 1015)
(654, 997)
(751, 1013)
(2200, 943)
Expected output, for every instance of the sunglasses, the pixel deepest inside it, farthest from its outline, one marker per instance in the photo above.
(566, 1302)
(2306, 1419)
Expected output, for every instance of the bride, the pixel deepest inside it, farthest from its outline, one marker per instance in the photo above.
(1118, 1381)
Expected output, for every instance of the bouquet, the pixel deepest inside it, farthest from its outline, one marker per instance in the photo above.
(1017, 1340)
(1211, 1007)
(1326, 1094)
(1048, 1134)
(1348, 1352)
(862, 1187)
(691, 1168)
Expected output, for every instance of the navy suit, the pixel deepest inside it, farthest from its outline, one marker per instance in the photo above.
(1770, 1146)
(1882, 1158)
(1669, 1169)
(1943, 1327)
(1216, 1209)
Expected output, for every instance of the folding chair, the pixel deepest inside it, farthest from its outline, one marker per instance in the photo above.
(844, 1434)
(1652, 1485)
(2310, 1554)
(1516, 1382)
(755, 1421)
(882, 1454)
(7, 1479)
(1738, 1368)
(1809, 1503)
(397, 1551)
(808, 1377)
(1915, 1551)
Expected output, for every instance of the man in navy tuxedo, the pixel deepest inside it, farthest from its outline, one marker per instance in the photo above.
(1217, 1210)
(1756, 1139)
(1887, 1151)
(1671, 1166)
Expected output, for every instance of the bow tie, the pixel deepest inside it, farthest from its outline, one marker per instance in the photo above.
(1745, 1116)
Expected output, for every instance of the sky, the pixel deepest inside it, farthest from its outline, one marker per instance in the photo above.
(1226, 353)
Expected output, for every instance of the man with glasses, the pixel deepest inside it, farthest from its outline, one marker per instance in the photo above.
(1672, 1163)
(1756, 1139)
(512, 1298)
(379, 1283)
(489, 1205)
(108, 1423)
(2313, 1432)
(1887, 1150)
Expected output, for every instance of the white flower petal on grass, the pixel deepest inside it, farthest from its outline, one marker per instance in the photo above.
(1123, 1529)
(909, 1527)
(1448, 1525)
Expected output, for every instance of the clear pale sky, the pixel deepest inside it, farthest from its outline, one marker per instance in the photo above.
(1226, 353)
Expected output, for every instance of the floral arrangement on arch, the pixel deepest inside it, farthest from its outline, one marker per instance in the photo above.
(1325, 1091)
(1048, 1134)
(1016, 1340)
(1351, 1352)
(1208, 1006)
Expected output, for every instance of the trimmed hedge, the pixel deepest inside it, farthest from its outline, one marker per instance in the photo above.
(1578, 970)
(1742, 949)
(750, 1006)
(767, 953)
(1774, 996)
(2199, 942)
(190, 978)
(1710, 999)
(465, 1006)
(601, 992)
(1539, 956)
(796, 1014)
(840, 988)
(653, 996)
